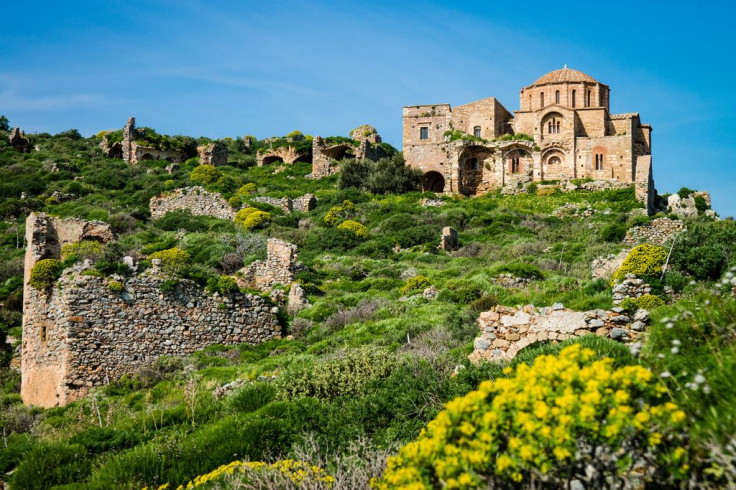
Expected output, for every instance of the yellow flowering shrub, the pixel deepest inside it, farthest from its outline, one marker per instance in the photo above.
(415, 283)
(205, 174)
(357, 229)
(643, 261)
(172, 259)
(337, 213)
(252, 218)
(86, 249)
(45, 273)
(298, 472)
(247, 189)
(564, 417)
(646, 301)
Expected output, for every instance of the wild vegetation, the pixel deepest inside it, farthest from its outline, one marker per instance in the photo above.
(373, 365)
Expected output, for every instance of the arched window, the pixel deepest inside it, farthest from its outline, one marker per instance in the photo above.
(555, 160)
(541, 99)
(558, 127)
(471, 164)
(589, 93)
(476, 131)
(550, 130)
(557, 97)
(573, 98)
(515, 162)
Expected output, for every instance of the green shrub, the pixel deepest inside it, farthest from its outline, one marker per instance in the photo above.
(339, 213)
(173, 260)
(344, 376)
(102, 439)
(234, 202)
(45, 273)
(247, 189)
(415, 283)
(646, 301)
(251, 397)
(644, 261)
(460, 291)
(205, 174)
(252, 218)
(703, 251)
(86, 249)
(116, 286)
(227, 284)
(532, 425)
(613, 232)
(519, 269)
(51, 464)
(484, 303)
(684, 192)
(357, 229)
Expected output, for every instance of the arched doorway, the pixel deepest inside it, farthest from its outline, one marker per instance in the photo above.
(433, 182)
(272, 159)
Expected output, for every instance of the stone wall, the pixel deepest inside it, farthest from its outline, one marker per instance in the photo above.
(630, 287)
(449, 240)
(196, 199)
(134, 152)
(212, 154)
(19, 142)
(656, 232)
(505, 331)
(279, 268)
(304, 204)
(326, 157)
(80, 334)
(287, 154)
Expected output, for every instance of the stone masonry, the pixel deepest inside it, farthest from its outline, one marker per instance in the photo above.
(196, 199)
(505, 331)
(279, 268)
(449, 240)
(19, 142)
(562, 131)
(326, 157)
(303, 204)
(630, 287)
(656, 232)
(134, 152)
(213, 154)
(82, 332)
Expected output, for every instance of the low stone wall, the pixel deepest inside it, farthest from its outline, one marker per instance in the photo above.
(196, 199)
(656, 232)
(304, 204)
(505, 331)
(630, 287)
(279, 268)
(82, 334)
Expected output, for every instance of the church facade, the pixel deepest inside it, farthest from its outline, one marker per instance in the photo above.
(562, 131)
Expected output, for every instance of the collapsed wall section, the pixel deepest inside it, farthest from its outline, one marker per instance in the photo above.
(196, 199)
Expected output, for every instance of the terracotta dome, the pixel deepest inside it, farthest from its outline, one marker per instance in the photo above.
(564, 75)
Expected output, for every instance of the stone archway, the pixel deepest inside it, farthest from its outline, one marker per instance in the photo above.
(272, 159)
(554, 165)
(433, 182)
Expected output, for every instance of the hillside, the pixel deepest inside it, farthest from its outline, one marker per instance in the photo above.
(383, 343)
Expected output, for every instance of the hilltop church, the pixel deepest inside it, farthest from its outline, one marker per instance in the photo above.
(563, 130)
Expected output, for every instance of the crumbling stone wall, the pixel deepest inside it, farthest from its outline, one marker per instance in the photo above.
(505, 331)
(80, 334)
(630, 287)
(280, 267)
(134, 152)
(213, 154)
(304, 204)
(325, 158)
(19, 142)
(656, 232)
(196, 199)
(449, 240)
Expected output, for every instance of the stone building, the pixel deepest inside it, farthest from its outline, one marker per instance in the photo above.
(134, 151)
(19, 142)
(563, 130)
(196, 199)
(86, 331)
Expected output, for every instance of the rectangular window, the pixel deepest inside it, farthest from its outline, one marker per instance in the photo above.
(476, 131)
(423, 133)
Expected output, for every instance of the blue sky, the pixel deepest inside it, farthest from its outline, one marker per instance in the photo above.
(230, 68)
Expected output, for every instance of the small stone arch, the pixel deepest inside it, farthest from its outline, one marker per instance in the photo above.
(553, 124)
(433, 182)
(146, 156)
(339, 152)
(272, 159)
(553, 165)
(303, 158)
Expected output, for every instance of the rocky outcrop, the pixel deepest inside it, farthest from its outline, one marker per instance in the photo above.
(280, 267)
(212, 154)
(505, 331)
(196, 199)
(657, 232)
